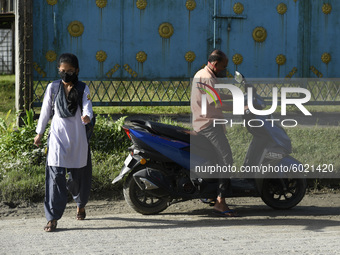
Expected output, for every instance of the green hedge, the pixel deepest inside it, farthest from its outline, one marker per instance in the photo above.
(22, 167)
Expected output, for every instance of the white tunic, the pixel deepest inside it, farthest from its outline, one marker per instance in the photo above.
(68, 146)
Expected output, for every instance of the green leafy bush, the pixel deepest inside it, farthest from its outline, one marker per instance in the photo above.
(109, 135)
(22, 168)
(109, 150)
(15, 142)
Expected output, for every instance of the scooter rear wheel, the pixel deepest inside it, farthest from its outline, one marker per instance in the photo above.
(283, 193)
(141, 202)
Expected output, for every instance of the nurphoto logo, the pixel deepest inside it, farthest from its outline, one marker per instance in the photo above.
(239, 103)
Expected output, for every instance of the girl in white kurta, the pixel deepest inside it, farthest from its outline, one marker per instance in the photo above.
(68, 148)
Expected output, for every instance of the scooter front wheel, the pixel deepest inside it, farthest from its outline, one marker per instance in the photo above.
(140, 201)
(283, 193)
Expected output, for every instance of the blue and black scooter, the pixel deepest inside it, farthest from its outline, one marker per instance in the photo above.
(156, 173)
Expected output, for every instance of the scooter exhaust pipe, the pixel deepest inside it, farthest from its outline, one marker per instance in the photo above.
(153, 182)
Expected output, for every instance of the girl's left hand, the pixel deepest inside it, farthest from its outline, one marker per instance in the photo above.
(37, 140)
(86, 119)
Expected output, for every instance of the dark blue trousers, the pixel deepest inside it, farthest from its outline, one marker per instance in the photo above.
(56, 187)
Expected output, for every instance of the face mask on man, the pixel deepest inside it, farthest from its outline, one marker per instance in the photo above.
(67, 77)
(220, 73)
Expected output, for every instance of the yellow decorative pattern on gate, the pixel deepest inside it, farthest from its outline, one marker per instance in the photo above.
(280, 59)
(141, 4)
(130, 71)
(52, 2)
(51, 56)
(190, 4)
(327, 8)
(165, 30)
(190, 56)
(326, 58)
(101, 3)
(101, 56)
(141, 56)
(291, 73)
(316, 71)
(112, 70)
(238, 8)
(39, 69)
(237, 59)
(75, 28)
(281, 8)
(229, 75)
(259, 34)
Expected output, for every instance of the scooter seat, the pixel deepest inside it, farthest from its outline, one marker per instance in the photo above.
(173, 132)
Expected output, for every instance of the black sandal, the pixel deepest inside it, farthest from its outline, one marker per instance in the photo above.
(81, 215)
(227, 213)
(51, 226)
(209, 201)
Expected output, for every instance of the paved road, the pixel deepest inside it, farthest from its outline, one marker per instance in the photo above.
(313, 227)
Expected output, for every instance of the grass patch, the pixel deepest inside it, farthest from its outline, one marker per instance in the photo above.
(323, 108)
(7, 92)
(313, 146)
(24, 182)
(130, 110)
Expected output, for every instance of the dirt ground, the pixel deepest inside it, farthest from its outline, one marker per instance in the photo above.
(318, 200)
(111, 227)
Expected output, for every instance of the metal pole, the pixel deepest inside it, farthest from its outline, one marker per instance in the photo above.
(28, 54)
(19, 85)
(23, 57)
(214, 40)
(304, 38)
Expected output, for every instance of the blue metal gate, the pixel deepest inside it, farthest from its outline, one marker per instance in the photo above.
(143, 52)
(280, 39)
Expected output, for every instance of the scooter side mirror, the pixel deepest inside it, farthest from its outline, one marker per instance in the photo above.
(239, 77)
